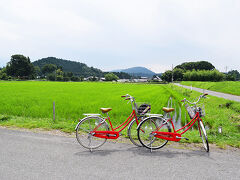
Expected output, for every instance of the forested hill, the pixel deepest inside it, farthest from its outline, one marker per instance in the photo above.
(77, 68)
(137, 71)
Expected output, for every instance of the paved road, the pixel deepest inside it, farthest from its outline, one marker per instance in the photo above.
(213, 93)
(27, 155)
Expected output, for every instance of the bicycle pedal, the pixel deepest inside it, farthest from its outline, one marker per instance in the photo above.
(182, 138)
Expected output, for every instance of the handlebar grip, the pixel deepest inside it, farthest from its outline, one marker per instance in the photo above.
(205, 94)
(123, 96)
(182, 100)
(127, 98)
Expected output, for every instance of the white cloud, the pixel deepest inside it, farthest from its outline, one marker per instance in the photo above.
(157, 31)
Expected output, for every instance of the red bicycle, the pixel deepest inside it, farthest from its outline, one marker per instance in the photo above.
(154, 133)
(93, 130)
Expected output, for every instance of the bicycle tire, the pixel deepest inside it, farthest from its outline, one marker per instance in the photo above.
(145, 129)
(132, 133)
(203, 135)
(83, 135)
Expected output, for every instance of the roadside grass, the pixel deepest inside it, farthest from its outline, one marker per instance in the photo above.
(29, 105)
(230, 87)
(32, 123)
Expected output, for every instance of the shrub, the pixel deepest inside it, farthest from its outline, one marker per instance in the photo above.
(66, 78)
(74, 78)
(59, 78)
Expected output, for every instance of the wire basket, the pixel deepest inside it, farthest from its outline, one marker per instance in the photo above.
(143, 108)
(201, 110)
(192, 110)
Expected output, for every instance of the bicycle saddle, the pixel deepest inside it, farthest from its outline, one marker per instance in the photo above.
(105, 110)
(167, 110)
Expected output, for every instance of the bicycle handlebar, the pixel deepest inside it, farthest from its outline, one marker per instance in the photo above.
(194, 103)
(128, 97)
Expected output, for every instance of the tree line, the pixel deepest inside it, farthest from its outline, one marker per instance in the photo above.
(20, 67)
(198, 71)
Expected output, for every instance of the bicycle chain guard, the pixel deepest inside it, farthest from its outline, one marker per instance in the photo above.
(170, 136)
(106, 134)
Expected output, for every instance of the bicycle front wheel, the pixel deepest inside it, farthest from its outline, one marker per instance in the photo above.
(203, 135)
(84, 133)
(146, 129)
(132, 133)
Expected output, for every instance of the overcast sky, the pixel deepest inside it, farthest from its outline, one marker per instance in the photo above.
(112, 34)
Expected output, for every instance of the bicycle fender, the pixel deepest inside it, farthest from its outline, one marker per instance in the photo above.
(77, 125)
(139, 124)
(156, 117)
(142, 122)
(86, 118)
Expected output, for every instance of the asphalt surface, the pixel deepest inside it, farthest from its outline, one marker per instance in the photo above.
(28, 155)
(212, 93)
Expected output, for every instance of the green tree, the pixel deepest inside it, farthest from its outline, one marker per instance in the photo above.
(37, 70)
(167, 76)
(3, 74)
(178, 74)
(69, 74)
(51, 77)
(49, 68)
(233, 75)
(59, 75)
(20, 66)
(199, 65)
(111, 77)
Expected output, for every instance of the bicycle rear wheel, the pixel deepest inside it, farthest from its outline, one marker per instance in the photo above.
(132, 133)
(203, 135)
(146, 129)
(84, 129)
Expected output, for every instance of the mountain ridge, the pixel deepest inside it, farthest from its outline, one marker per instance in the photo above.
(137, 71)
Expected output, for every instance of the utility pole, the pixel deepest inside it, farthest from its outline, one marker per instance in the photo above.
(172, 73)
(226, 69)
(54, 112)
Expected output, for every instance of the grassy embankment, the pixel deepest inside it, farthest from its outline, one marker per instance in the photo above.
(230, 87)
(29, 105)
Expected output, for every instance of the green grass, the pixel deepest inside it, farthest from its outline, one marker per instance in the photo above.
(219, 112)
(230, 87)
(29, 105)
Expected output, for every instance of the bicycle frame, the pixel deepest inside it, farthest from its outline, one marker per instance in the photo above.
(126, 122)
(175, 135)
(114, 133)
